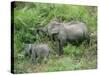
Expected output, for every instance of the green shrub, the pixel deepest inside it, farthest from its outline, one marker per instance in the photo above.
(73, 51)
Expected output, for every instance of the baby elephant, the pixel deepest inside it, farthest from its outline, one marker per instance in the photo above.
(38, 52)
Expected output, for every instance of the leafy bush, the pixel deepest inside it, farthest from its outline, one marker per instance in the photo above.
(73, 50)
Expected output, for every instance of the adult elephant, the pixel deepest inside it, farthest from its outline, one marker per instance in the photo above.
(74, 31)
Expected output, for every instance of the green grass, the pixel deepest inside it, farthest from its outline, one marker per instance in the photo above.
(64, 63)
(30, 16)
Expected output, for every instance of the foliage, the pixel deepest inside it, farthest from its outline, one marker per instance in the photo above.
(28, 17)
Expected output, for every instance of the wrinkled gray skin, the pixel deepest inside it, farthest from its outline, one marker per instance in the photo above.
(67, 32)
(38, 52)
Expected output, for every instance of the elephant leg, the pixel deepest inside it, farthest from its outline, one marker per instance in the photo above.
(38, 60)
(33, 58)
(44, 61)
(60, 48)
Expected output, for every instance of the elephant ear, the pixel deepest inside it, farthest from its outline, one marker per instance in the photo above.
(53, 27)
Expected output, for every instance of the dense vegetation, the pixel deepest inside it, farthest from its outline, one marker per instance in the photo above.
(30, 16)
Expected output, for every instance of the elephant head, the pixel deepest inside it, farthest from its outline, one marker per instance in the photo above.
(53, 29)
